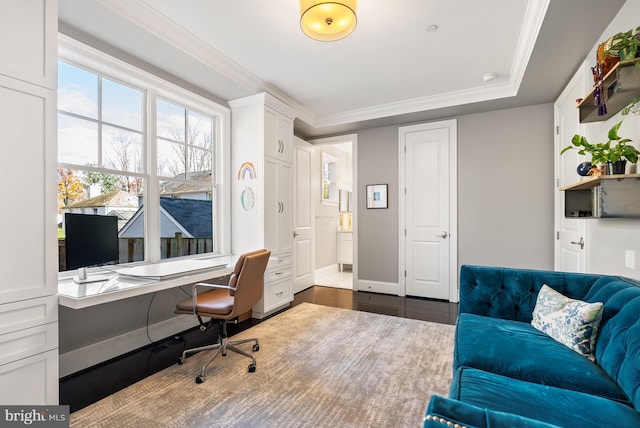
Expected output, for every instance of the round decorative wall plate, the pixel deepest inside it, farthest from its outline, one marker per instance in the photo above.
(248, 198)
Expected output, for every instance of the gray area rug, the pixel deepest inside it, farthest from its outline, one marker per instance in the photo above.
(317, 366)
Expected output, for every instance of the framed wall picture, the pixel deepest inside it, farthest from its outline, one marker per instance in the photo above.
(377, 195)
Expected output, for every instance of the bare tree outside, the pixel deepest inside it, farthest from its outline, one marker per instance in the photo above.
(124, 154)
(188, 157)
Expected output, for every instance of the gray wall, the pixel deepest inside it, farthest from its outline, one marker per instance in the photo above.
(505, 192)
(505, 188)
(378, 228)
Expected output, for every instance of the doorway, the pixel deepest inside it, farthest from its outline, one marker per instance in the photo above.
(334, 195)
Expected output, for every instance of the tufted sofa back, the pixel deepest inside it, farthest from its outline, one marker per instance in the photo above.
(511, 294)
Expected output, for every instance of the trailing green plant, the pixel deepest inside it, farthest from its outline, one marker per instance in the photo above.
(615, 149)
(632, 106)
(624, 40)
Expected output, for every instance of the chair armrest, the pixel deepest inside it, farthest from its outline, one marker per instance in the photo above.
(445, 412)
(194, 294)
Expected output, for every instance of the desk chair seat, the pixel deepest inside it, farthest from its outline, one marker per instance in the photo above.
(224, 303)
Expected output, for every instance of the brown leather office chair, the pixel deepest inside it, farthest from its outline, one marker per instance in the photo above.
(224, 303)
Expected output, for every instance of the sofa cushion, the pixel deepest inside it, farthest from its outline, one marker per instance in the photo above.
(445, 412)
(517, 350)
(542, 402)
(572, 322)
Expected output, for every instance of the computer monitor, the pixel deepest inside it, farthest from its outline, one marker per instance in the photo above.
(90, 240)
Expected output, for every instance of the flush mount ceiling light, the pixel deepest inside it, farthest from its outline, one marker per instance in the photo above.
(328, 20)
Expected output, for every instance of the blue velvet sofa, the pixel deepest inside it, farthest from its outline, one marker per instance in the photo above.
(509, 374)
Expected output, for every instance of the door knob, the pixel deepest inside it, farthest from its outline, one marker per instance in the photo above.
(443, 235)
(295, 234)
(580, 242)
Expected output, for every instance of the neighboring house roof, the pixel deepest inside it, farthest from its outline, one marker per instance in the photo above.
(191, 217)
(116, 198)
(123, 216)
(194, 215)
(178, 188)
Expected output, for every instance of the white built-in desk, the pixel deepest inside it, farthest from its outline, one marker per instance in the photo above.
(156, 277)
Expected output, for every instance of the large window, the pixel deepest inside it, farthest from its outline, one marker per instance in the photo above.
(150, 153)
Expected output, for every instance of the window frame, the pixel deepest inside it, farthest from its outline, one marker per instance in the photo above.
(331, 162)
(81, 55)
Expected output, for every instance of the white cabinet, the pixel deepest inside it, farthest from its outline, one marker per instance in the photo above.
(278, 135)
(29, 30)
(345, 249)
(261, 155)
(277, 198)
(28, 260)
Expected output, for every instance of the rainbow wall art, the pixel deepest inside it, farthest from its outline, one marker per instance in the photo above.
(247, 171)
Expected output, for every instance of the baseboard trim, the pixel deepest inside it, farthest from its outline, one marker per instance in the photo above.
(96, 353)
(378, 287)
(327, 270)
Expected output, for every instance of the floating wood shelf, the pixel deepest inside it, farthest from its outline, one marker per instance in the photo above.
(619, 86)
(595, 181)
(615, 195)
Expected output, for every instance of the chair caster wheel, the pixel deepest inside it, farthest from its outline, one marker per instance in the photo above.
(181, 360)
(256, 348)
(252, 368)
(200, 379)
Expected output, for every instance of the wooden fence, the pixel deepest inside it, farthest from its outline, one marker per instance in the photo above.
(132, 249)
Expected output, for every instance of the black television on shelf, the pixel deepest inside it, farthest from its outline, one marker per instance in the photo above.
(90, 240)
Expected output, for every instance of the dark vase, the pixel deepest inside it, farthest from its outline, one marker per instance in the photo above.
(583, 169)
(616, 167)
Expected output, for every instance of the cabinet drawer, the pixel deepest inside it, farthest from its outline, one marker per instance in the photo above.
(277, 294)
(277, 275)
(20, 344)
(276, 262)
(28, 313)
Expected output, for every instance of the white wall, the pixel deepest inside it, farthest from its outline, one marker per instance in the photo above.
(608, 239)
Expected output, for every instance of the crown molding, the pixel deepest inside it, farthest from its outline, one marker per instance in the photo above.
(449, 99)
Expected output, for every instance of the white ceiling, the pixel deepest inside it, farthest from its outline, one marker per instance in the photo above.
(390, 70)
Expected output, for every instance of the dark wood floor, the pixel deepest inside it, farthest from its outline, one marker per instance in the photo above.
(82, 389)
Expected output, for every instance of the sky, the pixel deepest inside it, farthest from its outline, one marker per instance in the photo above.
(122, 112)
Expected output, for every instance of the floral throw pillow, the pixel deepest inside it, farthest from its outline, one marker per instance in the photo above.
(573, 323)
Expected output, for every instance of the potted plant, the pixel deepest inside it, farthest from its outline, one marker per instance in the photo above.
(614, 153)
(625, 45)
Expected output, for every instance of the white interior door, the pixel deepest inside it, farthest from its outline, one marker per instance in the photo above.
(303, 245)
(429, 232)
(570, 248)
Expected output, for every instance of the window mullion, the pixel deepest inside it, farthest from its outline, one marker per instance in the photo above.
(100, 160)
(152, 190)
